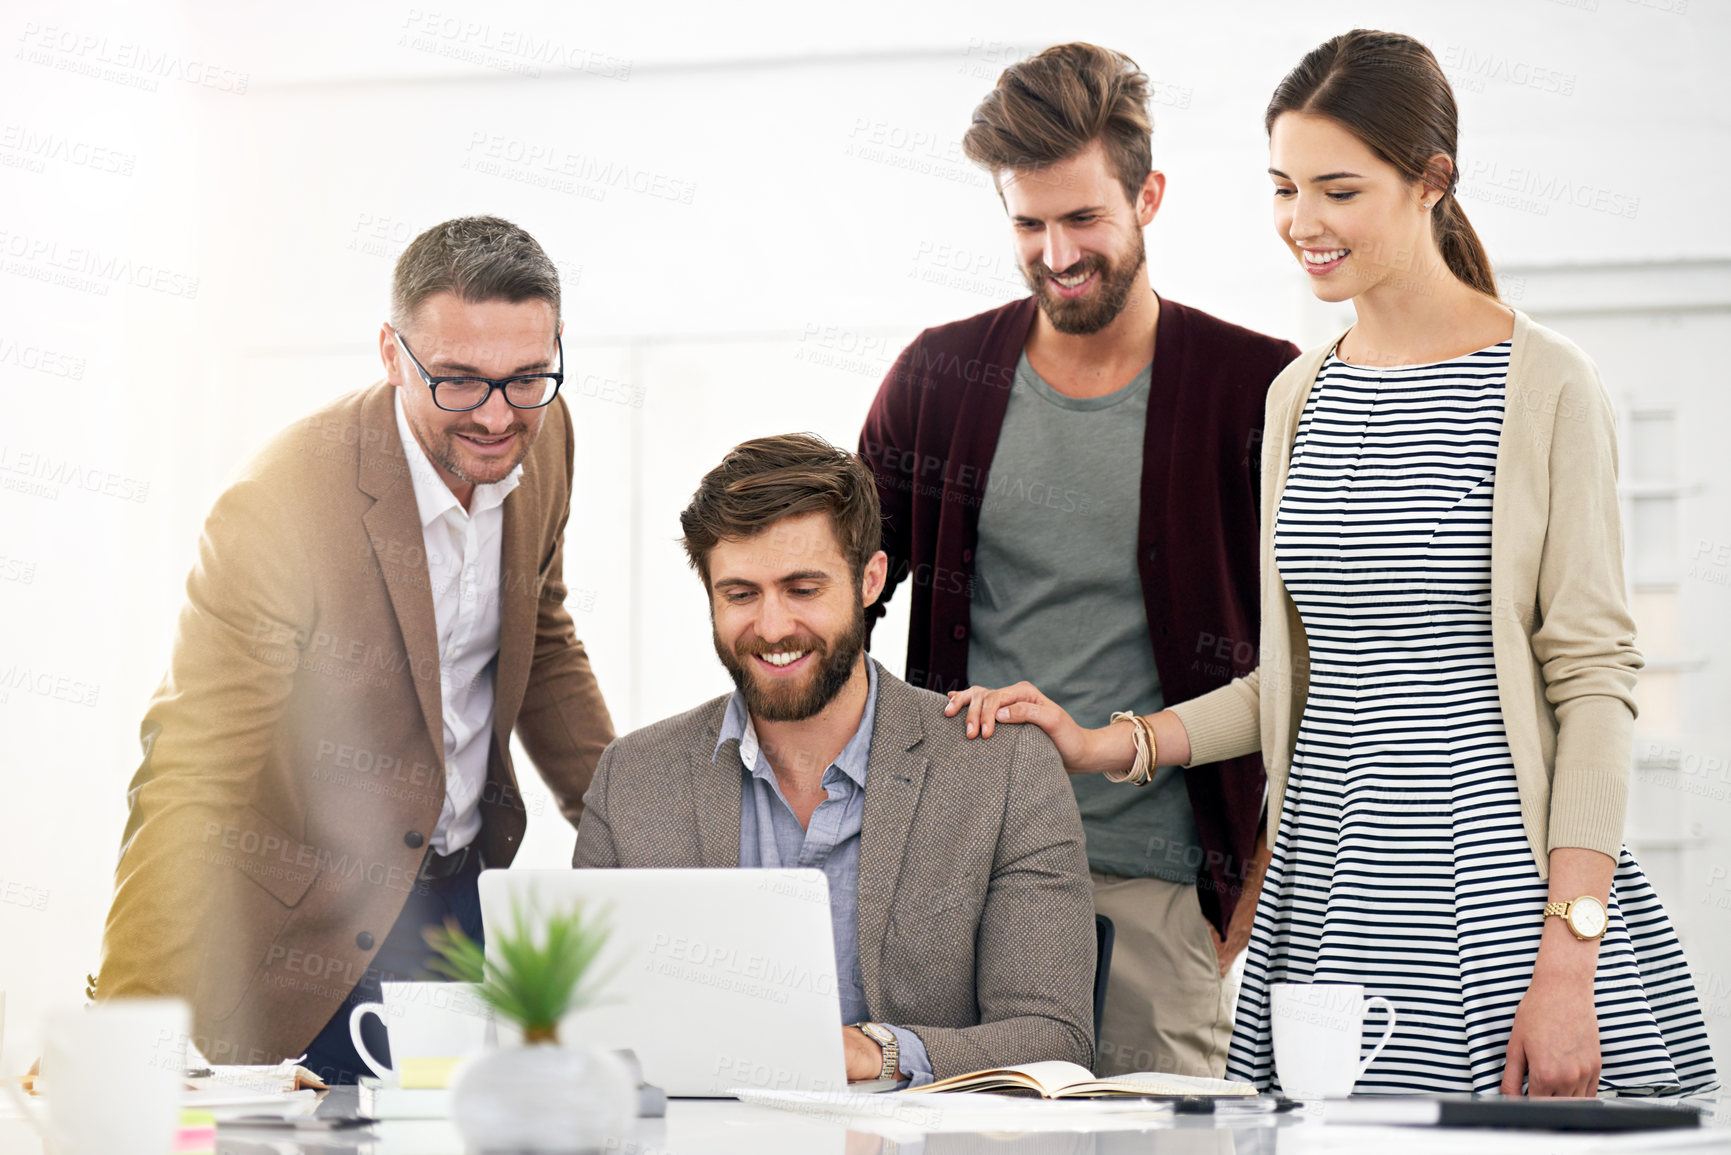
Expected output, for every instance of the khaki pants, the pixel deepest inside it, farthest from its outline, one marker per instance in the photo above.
(1167, 1007)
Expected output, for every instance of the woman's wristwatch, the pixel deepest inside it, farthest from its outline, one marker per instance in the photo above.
(1585, 916)
(885, 1038)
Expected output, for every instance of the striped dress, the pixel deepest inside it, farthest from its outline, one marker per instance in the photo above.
(1400, 861)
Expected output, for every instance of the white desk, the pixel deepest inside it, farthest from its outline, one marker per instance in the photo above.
(722, 1127)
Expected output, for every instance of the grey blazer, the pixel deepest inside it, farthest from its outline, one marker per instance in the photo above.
(976, 927)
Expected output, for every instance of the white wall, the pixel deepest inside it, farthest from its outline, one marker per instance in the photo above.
(220, 194)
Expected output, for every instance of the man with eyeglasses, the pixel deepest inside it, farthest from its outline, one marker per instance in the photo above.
(377, 607)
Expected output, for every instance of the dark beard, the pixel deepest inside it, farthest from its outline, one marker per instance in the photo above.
(835, 667)
(1087, 316)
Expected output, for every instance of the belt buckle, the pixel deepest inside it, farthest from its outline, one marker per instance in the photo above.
(436, 867)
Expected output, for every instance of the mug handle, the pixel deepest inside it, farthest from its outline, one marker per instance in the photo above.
(355, 1015)
(1371, 1004)
(39, 1120)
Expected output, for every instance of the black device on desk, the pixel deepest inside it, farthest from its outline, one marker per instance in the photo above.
(297, 1122)
(1518, 1114)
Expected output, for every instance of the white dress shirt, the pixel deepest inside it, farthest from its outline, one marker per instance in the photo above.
(463, 562)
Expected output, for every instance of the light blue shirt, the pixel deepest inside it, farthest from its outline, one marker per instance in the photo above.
(770, 836)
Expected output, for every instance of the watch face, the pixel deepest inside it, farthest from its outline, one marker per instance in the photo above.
(1587, 916)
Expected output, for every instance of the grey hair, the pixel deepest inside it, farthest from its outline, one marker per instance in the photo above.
(477, 258)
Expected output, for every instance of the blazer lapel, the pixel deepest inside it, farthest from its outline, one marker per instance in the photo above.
(520, 554)
(393, 525)
(895, 778)
(715, 798)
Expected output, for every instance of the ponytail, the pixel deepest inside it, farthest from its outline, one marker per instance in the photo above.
(1462, 251)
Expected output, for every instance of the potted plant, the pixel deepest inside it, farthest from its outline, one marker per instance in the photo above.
(536, 1095)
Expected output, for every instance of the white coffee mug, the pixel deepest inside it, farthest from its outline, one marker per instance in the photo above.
(111, 1077)
(1318, 1033)
(431, 1026)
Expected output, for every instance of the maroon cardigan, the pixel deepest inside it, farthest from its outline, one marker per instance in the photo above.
(930, 438)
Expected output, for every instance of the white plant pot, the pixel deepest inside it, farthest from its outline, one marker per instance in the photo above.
(543, 1097)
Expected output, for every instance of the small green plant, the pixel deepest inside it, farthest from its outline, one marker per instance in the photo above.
(543, 969)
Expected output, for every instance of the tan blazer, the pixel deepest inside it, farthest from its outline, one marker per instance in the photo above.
(976, 917)
(294, 754)
(1561, 631)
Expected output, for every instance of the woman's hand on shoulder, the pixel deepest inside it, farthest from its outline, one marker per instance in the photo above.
(1021, 702)
(1024, 703)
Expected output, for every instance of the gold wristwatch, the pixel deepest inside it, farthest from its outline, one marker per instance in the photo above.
(885, 1038)
(1585, 917)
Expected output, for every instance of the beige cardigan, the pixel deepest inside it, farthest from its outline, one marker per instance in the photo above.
(1562, 634)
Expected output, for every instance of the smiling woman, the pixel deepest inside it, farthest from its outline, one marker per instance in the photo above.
(1369, 94)
(1444, 696)
(1408, 797)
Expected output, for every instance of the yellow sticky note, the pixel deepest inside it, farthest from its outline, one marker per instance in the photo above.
(426, 1072)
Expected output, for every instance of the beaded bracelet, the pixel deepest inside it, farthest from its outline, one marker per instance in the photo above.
(1142, 771)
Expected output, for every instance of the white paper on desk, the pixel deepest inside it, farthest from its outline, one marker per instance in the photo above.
(908, 1116)
(224, 1102)
(267, 1089)
(9, 1109)
(1372, 1140)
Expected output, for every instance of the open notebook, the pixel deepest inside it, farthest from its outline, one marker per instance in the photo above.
(1061, 1080)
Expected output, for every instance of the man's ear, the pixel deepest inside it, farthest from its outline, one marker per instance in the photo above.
(877, 572)
(1148, 200)
(388, 351)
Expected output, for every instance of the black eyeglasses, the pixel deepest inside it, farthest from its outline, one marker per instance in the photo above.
(458, 394)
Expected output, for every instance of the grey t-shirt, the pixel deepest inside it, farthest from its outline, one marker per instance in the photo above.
(1058, 600)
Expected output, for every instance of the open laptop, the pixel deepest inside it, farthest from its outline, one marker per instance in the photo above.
(719, 978)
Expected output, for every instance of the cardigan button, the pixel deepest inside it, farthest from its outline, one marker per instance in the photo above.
(364, 941)
(959, 633)
(967, 556)
(413, 840)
